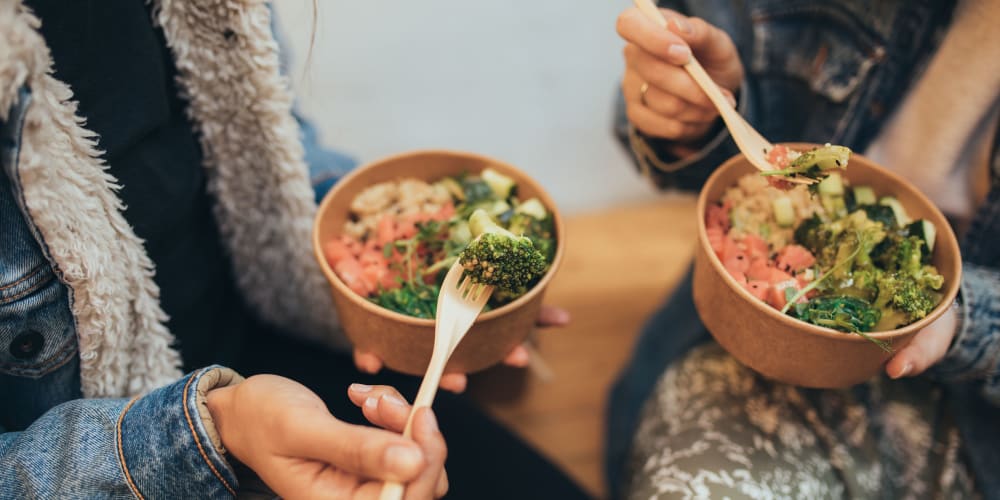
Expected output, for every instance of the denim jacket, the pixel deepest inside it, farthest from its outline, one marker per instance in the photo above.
(92, 404)
(833, 72)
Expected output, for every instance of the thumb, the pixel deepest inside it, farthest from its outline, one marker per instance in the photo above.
(927, 347)
(708, 43)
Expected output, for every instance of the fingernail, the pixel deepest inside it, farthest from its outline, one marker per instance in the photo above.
(394, 400)
(402, 458)
(732, 100)
(906, 369)
(430, 422)
(680, 52)
(682, 25)
(371, 403)
(361, 388)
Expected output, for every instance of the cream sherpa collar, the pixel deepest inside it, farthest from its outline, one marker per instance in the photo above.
(228, 69)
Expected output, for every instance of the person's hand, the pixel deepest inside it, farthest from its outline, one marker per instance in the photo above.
(455, 382)
(674, 106)
(927, 347)
(283, 431)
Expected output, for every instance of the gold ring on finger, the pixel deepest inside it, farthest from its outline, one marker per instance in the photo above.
(642, 92)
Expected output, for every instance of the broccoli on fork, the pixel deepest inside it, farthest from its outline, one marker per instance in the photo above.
(499, 258)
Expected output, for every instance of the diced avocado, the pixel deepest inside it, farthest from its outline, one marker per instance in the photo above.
(499, 183)
(925, 230)
(784, 214)
(864, 195)
(532, 207)
(832, 185)
(902, 219)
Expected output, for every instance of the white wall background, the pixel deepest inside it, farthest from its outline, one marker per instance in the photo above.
(530, 82)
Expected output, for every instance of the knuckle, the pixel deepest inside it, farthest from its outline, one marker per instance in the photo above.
(625, 22)
(671, 106)
(700, 26)
(673, 128)
(702, 115)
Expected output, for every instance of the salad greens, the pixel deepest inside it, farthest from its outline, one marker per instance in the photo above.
(515, 246)
(873, 272)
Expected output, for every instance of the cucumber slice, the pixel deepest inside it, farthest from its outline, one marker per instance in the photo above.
(832, 185)
(499, 183)
(453, 187)
(902, 219)
(881, 213)
(925, 230)
(460, 233)
(532, 207)
(864, 195)
(833, 204)
(481, 223)
(498, 208)
(784, 214)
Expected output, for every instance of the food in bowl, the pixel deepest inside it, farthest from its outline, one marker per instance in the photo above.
(403, 235)
(812, 166)
(831, 254)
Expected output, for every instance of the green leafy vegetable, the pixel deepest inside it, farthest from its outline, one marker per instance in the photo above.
(413, 299)
(815, 164)
(844, 313)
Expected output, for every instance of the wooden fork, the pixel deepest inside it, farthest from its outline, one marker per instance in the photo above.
(753, 145)
(459, 303)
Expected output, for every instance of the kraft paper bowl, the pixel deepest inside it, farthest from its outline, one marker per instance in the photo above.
(403, 342)
(789, 350)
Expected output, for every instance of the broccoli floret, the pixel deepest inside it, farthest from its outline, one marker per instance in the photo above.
(499, 258)
(863, 283)
(844, 313)
(475, 190)
(812, 235)
(540, 231)
(815, 164)
(854, 235)
(928, 277)
(900, 253)
(905, 294)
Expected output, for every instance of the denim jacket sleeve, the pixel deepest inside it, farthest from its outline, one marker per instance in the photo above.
(974, 355)
(161, 445)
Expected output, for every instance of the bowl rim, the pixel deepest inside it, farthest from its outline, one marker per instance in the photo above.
(364, 303)
(947, 298)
